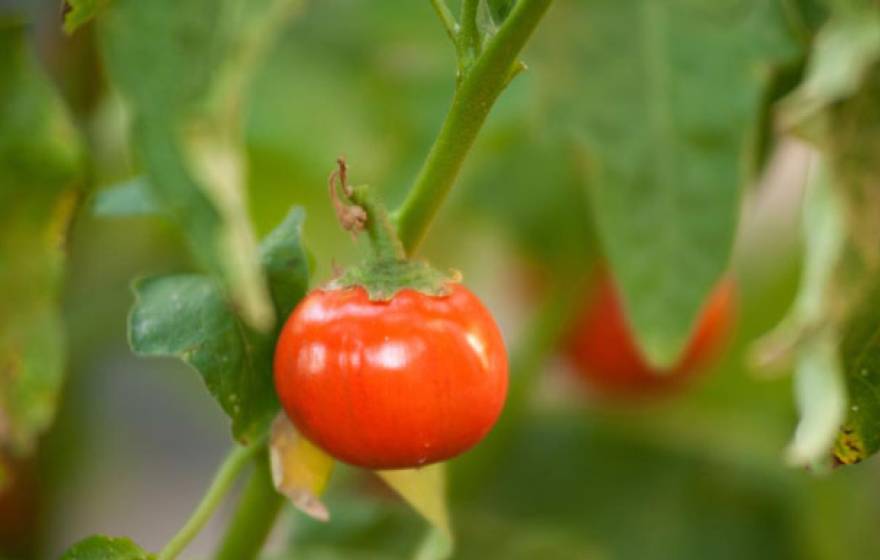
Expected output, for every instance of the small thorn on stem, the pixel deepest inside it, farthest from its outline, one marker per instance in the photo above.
(352, 217)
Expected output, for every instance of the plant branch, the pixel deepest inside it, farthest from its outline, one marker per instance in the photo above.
(474, 96)
(470, 33)
(254, 517)
(237, 459)
(447, 19)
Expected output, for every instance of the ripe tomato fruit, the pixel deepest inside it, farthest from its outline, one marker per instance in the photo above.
(604, 353)
(391, 384)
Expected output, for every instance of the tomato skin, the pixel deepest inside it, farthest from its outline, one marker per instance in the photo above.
(396, 384)
(604, 353)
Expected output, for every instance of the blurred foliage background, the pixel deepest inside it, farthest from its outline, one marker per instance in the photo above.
(697, 474)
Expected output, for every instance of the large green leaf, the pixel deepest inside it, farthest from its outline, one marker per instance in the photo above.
(99, 547)
(190, 317)
(184, 68)
(669, 96)
(40, 160)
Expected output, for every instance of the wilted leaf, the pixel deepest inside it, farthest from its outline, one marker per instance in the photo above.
(670, 95)
(300, 470)
(189, 317)
(40, 160)
(99, 547)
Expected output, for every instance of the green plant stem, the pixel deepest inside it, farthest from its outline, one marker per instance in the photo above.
(474, 96)
(237, 459)
(470, 35)
(383, 236)
(254, 517)
(447, 19)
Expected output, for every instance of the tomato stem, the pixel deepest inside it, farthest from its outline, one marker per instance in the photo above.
(229, 470)
(382, 233)
(254, 516)
(477, 90)
(358, 210)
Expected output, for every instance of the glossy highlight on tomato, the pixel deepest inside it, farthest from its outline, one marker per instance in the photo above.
(392, 384)
(604, 353)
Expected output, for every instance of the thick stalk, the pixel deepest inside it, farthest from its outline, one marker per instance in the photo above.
(237, 459)
(471, 103)
(255, 515)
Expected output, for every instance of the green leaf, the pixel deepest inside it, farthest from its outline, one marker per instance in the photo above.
(671, 92)
(81, 12)
(185, 77)
(40, 162)
(99, 547)
(191, 318)
(131, 198)
(286, 263)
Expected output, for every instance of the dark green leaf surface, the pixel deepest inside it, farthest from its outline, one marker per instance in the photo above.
(670, 95)
(286, 263)
(191, 318)
(99, 547)
(40, 159)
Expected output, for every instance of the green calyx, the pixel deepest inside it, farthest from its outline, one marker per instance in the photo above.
(386, 270)
(383, 279)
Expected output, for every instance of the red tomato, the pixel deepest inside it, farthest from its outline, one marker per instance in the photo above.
(383, 385)
(604, 352)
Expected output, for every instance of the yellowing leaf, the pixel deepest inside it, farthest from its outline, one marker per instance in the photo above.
(300, 470)
(425, 490)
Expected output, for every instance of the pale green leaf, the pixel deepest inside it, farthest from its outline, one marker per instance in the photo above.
(806, 334)
(845, 48)
(821, 398)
